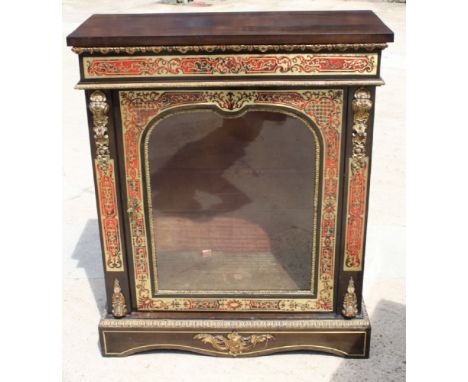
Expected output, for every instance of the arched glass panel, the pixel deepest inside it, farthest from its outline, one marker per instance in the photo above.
(233, 201)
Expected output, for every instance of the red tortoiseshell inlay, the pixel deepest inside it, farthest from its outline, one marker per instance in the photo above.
(245, 65)
(109, 216)
(355, 222)
(324, 107)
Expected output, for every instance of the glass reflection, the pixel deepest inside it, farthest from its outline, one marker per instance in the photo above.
(233, 201)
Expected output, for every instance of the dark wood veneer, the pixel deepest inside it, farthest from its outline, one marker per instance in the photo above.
(299, 27)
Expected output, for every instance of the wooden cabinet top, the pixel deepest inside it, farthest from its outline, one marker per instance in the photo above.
(298, 27)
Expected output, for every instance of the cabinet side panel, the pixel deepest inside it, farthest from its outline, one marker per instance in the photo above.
(106, 182)
(359, 128)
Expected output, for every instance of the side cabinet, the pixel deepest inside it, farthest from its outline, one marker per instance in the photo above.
(232, 180)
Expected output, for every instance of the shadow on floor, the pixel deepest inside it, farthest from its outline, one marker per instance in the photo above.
(387, 360)
(88, 255)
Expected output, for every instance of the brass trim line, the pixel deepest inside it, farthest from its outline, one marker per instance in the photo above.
(231, 48)
(223, 84)
(239, 324)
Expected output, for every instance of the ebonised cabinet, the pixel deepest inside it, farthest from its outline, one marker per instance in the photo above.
(231, 158)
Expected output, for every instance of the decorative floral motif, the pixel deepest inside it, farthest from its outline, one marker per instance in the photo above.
(362, 106)
(218, 65)
(324, 107)
(99, 107)
(234, 343)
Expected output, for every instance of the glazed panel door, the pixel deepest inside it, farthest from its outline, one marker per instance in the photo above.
(232, 198)
(233, 202)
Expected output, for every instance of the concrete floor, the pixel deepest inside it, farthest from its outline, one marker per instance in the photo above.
(384, 292)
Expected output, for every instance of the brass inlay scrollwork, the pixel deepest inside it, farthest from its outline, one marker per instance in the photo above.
(234, 343)
(362, 106)
(119, 308)
(105, 184)
(229, 48)
(357, 182)
(350, 309)
(99, 107)
(322, 106)
(215, 65)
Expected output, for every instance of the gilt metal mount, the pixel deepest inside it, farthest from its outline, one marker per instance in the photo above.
(350, 309)
(99, 107)
(362, 106)
(119, 308)
(234, 343)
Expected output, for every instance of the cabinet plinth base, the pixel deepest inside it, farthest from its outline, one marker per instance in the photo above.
(236, 337)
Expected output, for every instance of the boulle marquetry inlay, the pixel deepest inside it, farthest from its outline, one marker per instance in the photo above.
(230, 65)
(105, 182)
(323, 107)
(357, 182)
